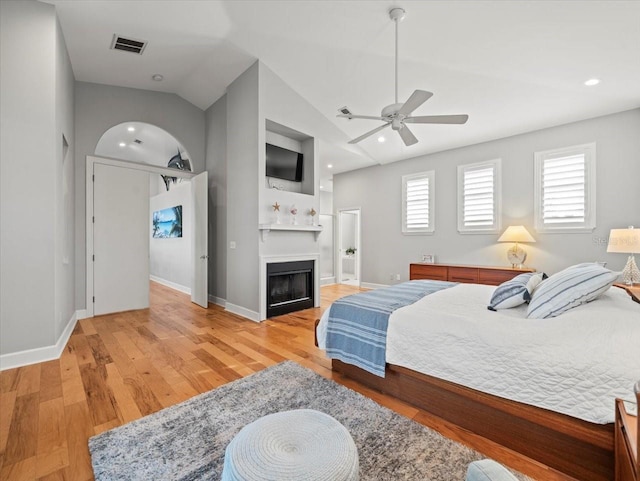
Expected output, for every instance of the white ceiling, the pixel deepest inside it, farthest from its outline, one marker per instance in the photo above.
(513, 66)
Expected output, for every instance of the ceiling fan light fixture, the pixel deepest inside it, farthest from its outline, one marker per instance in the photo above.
(399, 113)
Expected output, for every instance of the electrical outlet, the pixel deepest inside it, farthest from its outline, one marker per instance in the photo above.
(397, 277)
(232, 245)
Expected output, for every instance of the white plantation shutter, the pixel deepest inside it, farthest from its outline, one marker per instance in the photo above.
(417, 203)
(479, 197)
(565, 189)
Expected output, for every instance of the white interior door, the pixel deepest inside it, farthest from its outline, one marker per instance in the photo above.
(199, 289)
(120, 239)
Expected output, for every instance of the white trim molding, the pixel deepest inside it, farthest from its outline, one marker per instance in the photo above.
(242, 311)
(218, 301)
(40, 354)
(172, 285)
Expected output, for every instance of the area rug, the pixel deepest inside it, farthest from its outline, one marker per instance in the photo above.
(187, 441)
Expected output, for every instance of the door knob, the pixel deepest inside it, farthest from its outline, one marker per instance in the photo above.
(204, 257)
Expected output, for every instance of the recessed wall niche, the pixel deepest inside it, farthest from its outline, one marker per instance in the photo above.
(283, 167)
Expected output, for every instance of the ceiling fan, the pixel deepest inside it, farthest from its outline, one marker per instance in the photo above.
(398, 114)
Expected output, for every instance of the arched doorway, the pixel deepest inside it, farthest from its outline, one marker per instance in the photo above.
(130, 180)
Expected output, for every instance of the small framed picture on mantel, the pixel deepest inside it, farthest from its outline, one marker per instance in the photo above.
(428, 259)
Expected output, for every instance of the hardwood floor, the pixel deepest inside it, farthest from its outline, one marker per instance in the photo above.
(120, 367)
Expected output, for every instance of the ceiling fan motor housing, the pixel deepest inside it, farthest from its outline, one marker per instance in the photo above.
(390, 111)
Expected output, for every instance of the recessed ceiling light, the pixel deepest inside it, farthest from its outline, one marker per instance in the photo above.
(131, 129)
(591, 82)
(122, 144)
(330, 166)
(157, 77)
(381, 139)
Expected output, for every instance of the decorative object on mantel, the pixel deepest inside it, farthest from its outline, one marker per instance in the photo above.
(350, 251)
(294, 212)
(276, 211)
(516, 233)
(312, 214)
(626, 241)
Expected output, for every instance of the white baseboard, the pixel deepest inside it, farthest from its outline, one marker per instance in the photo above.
(371, 285)
(81, 314)
(241, 311)
(172, 285)
(40, 354)
(219, 301)
(327, 281)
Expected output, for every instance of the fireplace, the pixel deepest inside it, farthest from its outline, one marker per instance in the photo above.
(289, 287)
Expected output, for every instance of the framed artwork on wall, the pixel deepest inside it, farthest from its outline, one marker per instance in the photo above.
(167, 223)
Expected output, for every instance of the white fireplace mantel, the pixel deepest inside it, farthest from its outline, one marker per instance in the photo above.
(266, 228)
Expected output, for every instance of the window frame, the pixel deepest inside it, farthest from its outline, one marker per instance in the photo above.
(589, 224)
(431, 176)
(496, 228)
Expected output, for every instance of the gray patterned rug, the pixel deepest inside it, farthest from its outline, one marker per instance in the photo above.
(187, 441)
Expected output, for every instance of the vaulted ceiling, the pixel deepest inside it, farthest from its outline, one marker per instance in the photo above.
(513, 66)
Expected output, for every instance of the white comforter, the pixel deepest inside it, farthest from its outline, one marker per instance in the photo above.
(576, 363)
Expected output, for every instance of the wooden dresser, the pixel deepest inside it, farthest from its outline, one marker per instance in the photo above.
(627, 439)
(493, 276)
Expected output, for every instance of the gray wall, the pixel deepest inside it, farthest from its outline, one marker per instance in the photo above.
(386, 251)
(36, 88)
(216, 164)
(243, 127)
(100, 107)
(171, 259)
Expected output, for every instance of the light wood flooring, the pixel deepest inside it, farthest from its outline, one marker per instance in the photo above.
(120, 367)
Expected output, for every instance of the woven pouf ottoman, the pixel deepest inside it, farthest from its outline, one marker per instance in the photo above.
(292, 445)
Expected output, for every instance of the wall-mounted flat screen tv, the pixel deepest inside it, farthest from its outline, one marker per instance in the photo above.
(284, 163)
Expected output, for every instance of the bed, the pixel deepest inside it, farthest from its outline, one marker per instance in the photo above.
(543, 387)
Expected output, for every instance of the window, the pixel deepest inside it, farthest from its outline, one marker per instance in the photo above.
(565, 189)
(479, 197)
(418, 191)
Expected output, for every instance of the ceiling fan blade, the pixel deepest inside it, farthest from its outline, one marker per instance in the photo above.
(437, 119)
(368, 134)
(407, 136)
(416, 100)
(368, 117)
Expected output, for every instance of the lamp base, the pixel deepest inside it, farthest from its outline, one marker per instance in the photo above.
(631, 273)
(516, 256)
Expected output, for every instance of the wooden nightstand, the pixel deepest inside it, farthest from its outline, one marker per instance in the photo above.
(633, 291)
(626, 442)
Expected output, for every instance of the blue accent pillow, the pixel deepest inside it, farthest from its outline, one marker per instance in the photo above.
(569, 288)
(516, 291)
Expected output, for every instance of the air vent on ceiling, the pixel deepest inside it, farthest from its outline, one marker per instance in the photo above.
(128, 44)
(137, 141)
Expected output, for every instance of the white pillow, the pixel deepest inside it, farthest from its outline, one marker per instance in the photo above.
(569, 288)
(515, 292)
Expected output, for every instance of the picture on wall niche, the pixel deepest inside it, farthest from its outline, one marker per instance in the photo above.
(167, 223)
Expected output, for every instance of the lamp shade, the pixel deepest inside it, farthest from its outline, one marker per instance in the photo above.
(624, 241)
(516, 233)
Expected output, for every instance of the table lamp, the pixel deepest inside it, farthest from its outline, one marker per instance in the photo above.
(516, 234)
(626, 241)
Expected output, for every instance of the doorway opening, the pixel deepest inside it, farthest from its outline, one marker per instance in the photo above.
(349, 256)
(177, 261)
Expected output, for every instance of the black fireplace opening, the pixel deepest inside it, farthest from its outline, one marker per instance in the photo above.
(289, 287)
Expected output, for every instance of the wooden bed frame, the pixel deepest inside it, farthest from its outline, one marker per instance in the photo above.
(572, 446)
(578, 448)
